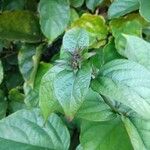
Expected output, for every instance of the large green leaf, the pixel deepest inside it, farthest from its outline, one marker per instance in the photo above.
(19, 25)
(92, 4)
(109, 135)
(71, 88)
(94, 108)
(126, 82)
(75, 39)
(139, 52)
(96, 27)
(47, 99)
(74, 42)
(144, 9)
(1, 72)
(121, 7)
(25, 130)
(120, 133)
(54, 17)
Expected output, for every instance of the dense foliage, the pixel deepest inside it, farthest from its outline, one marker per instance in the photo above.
(75, 74)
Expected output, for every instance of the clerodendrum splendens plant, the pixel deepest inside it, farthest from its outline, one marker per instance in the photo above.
(75, 75)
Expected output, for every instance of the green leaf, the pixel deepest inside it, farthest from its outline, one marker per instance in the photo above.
(92, 4)
(71, 88)
(109, 135)
(28, 59)
(73, 16)
(32, 94)
(54, 17)
(42, 69)
(25, 60)
(21, 25)
(25, 129)
(1, 72)
(131, 24)
(95, 25)
(75, 39)
(137, 141)
(122, 7)
(143, 128)
(13, 78)
(16, 100)
(139, 52)
(94, 108)
(104, 55)
(126, 82)
(110, 52)
(95, 135)
(47, 99)
(116, 134)
(97, 60)
(144, 9)
(76, 3)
